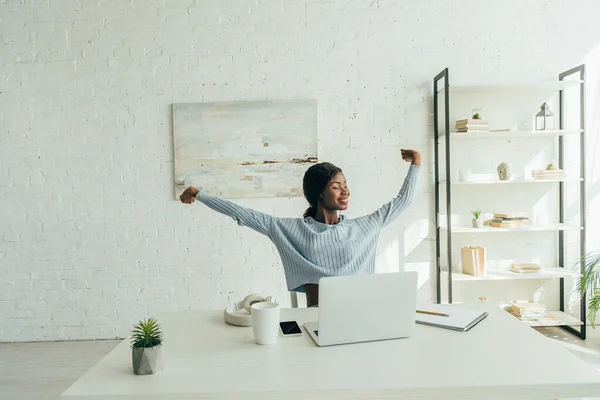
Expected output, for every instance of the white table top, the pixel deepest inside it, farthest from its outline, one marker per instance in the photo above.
(205, 358)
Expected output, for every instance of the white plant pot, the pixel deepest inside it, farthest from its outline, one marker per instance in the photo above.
(148, 360)
(477, 222)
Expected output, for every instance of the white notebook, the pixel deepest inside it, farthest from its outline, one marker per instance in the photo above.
(458, 318)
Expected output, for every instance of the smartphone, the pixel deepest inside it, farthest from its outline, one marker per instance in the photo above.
(290, 328)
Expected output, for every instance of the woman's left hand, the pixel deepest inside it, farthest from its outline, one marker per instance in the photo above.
(412, 156)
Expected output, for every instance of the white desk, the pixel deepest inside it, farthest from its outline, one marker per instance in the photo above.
(501, 358)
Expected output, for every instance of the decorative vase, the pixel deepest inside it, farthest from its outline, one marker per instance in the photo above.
(464, 174)
(478, 222)
(147, 360)
(504, 172)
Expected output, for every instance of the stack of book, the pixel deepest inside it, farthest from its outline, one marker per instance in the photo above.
(508, 221)
(527, 311)
(525, 268)
(548, 174)
(472, 125)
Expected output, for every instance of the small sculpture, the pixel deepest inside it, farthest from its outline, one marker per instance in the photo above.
(504, 173)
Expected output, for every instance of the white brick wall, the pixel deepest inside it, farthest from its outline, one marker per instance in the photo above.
(91, 239)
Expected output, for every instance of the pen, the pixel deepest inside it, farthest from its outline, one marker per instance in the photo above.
(432, 313)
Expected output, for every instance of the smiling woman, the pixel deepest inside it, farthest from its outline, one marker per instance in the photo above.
(323, 242)
(325, 184)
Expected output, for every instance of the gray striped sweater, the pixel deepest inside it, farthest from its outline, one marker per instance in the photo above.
(311, 250)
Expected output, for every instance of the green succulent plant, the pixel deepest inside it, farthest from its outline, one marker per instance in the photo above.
(146, 333)
(476, 214)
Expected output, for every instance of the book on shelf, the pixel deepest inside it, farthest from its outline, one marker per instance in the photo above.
(527, 311)
(471, 125)
(525, 268)
(473, 260)
(471, 121)
(471, 128)
(548, 174)
(511, 220)
(505, 225)
(482, 126)
(465, 130)
(501, 223)
(502, 220)
(511, 217)
(502, 215)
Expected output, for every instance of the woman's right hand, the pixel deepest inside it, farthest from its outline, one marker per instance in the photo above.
(189, 195)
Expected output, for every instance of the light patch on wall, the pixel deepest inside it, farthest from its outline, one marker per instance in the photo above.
(244, 149)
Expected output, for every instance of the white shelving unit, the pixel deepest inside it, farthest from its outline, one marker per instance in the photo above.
(509, 182)
(492, 229)
(547, 86)
(445, 140)
(509, 135)
(504, 274)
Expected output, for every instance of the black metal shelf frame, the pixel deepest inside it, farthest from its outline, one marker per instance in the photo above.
(443, 79)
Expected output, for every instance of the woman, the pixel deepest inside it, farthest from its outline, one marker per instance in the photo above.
(323, 243)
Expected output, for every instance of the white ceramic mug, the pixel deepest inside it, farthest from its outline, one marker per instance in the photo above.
(265, 322)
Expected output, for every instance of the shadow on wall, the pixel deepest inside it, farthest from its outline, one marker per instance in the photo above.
(406, 247)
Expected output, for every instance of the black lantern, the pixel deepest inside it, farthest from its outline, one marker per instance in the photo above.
(544, 119)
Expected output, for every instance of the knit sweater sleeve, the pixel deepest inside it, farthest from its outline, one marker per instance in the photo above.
(391, 210)
(256, 220)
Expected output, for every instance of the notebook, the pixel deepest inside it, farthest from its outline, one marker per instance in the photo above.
(458, 318)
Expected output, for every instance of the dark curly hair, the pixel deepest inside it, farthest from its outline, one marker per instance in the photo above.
(315, 181)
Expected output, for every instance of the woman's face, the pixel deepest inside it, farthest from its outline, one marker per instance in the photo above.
(336, 193)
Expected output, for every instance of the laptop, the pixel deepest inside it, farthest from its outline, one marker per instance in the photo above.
(364, 308)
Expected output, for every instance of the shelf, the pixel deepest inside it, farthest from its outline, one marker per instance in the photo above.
(554, 318)
(498, 182)
(531, 228)
(508, 134)
(500, 275)
(548, 86)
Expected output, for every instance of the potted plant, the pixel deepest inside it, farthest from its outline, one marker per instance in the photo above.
(477, 220)
(146, 347)
(589, 283)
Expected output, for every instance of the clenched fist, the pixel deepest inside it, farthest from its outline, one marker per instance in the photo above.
(412, 156)
(189, 195)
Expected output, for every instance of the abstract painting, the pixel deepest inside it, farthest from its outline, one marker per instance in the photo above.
(244, 149)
